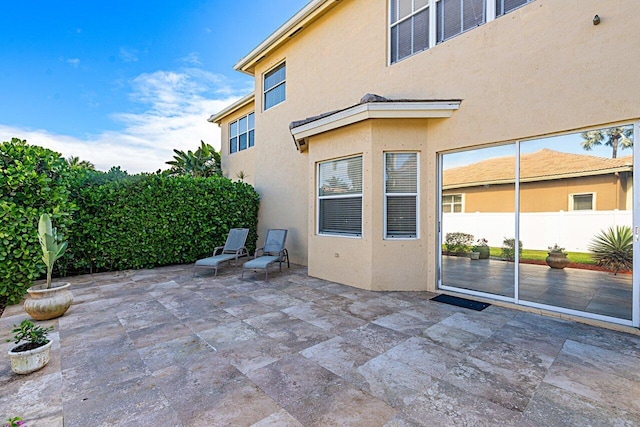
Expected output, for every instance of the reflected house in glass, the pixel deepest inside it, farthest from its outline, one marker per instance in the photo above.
(550, 181)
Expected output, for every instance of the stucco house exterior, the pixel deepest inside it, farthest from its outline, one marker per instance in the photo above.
(359, 103)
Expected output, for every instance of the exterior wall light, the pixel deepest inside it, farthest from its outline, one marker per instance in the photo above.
(596, 20)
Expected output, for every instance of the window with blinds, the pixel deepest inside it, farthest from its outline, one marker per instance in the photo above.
(242, 134)
(409, 28)
(458, 16)
(340, 197)
(581, 202)
(416, 25)
(506, 6)
(275, 86)
(401, 195)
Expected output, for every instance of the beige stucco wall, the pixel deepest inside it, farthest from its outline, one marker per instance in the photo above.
(241, 161)
(539, 70)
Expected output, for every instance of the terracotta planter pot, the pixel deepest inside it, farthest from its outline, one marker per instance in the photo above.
(557, 260)
(46, 304)
(25, 362)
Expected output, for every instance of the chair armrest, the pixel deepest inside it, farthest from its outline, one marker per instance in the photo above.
(216, 249)
(241, 252)
(255, 254)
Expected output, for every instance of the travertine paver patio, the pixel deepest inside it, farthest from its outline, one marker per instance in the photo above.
(161, 347)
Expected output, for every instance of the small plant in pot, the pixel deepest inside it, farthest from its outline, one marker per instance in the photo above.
(482, 247)
(33, 353)
(557, 258)
(50, 300)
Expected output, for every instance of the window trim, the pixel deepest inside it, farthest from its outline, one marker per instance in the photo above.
(462, 203)
(283, 82)
(249, 129)
(587, 193)
(489, 11)
(318, 197)
(386, 195)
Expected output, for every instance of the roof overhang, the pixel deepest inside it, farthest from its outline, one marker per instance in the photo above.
(240, 103)
(373, 110)
(293, 26)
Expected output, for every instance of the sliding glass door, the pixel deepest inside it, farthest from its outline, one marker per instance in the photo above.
(557, 216)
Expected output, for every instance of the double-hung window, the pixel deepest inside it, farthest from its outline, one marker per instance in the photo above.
(506, 6)
(409, 27)
(275, 86)
(401, 195)
(242, 133)
(340, 197)
(452, 203)
(458, 16)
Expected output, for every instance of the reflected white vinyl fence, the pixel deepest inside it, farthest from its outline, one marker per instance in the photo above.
(571, 230)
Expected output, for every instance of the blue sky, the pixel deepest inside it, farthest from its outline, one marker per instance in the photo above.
(122, 83)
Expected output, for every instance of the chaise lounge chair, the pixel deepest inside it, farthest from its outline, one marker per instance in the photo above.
(273, 251)
(232, 250)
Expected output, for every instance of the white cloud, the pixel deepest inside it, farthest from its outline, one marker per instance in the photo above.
(192, 58)
(75, 62)
(178, 105)
(128, 55)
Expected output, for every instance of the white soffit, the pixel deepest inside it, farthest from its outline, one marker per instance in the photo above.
(377, 110)
(242, 102)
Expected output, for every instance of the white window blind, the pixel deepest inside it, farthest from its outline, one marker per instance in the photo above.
(401, 195)
(275, 86)
(506, 6)
(457, 16)
(340, 197)
(409, 28)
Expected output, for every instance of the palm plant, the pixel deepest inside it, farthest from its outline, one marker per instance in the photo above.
(52, 247)
(616, 137)
(202, 163)
(613, 248)
(75, 163)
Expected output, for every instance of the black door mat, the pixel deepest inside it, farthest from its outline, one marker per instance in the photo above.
(461, 302)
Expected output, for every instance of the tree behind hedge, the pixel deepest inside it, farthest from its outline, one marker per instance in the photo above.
(144, 221)
(33, 180)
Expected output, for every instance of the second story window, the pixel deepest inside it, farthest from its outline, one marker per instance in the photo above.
(242, 133)
(506, 6)
(458, 16)
(409, 28)
(275, 86)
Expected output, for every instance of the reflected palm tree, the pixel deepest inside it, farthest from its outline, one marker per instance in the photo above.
(616, 137)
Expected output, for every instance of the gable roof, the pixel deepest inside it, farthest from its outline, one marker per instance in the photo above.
(308, 14)
(541, 165)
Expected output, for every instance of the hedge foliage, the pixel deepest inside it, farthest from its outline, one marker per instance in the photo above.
(33, 180)
(113, 221)
(145, 221)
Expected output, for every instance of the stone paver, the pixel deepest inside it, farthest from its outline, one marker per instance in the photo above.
(162, 347)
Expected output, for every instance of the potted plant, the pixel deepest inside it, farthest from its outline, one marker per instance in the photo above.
(557, 258)
(482, 246)
(49, 301)
(33, 354)
(458, 244)
(14, 422)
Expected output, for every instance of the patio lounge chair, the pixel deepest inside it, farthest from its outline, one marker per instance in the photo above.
(272, 251)
(232, 250)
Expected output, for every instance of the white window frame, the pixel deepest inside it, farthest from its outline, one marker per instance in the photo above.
(572, 202)
(442, 203)
(249, 129)
(283, 82)
(416, 236)
(490, 13)
(352, 195)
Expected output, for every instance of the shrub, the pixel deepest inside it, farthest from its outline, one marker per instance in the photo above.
(33, 181)
(508, 249)
(143, 221)
(613, 248)
(458, 243)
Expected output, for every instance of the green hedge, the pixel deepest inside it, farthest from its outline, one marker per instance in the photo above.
(152, 220)
(113, 221)
(33, 180)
